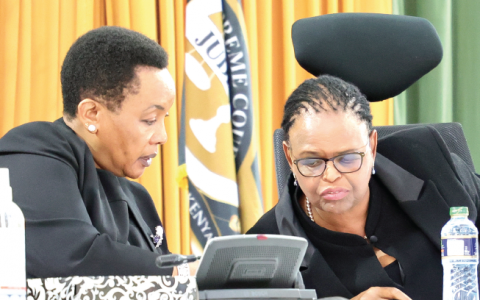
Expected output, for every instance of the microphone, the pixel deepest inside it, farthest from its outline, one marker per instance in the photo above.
(373, 239)
(172, 260)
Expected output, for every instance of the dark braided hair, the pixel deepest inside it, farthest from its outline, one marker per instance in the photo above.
(101, 65)
(322, 93)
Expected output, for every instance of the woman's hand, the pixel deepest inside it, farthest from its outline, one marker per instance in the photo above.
(376, 293)
(193, 268)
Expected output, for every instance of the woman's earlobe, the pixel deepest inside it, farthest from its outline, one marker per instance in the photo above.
(373, 142)
(286, 149)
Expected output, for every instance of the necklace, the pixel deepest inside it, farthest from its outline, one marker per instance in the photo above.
(310, 214)
(309, 211)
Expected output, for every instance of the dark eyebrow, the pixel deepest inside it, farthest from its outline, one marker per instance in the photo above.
(313, 154)
(156, 106)
(348, 151)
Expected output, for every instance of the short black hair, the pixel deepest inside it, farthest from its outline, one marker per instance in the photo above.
(101, 64)
(322, 93)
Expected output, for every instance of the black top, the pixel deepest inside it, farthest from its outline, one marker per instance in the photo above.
(353, 259)
(79, 220)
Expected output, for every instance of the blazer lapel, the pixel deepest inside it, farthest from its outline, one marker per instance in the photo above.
(420, 153)
(146, 231)
(420, 200)
(288, 224)
(116, 189)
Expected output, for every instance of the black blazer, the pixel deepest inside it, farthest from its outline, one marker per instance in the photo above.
(79, 220)
(418, 170)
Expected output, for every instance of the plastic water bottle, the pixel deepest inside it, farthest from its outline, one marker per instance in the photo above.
(460, 256)
(12, 244)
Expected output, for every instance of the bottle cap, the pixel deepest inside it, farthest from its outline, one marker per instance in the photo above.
(459, 211)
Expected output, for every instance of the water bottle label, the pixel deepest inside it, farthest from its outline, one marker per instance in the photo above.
(13, 294)
(12, 262)
(459, 246)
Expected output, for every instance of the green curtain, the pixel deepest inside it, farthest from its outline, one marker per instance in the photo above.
(450, 92)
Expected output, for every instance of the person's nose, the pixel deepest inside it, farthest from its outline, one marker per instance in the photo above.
(160, 136)
(331, 173)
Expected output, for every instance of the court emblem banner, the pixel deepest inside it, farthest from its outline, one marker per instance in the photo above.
(221, 155)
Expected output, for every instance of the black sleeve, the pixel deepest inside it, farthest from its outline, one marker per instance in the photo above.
(60, 237)
(266, 225)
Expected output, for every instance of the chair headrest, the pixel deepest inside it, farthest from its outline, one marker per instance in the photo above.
(381, 54)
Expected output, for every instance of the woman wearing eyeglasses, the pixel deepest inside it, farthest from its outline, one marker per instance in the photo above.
(371, 211)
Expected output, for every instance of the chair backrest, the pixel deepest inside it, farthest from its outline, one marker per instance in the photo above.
(452, 134)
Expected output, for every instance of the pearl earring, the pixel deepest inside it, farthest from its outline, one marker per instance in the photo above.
(295, 183)
(373, 170)
(92, 128)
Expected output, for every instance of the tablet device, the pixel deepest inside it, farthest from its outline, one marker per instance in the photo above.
(250, 261)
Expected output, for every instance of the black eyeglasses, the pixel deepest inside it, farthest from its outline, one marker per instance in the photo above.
(344, 163)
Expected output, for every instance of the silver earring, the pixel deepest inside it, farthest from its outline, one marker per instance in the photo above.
(373, 170)
(92, 128)
(295, 183)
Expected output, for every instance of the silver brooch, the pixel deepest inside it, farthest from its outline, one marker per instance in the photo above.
(158, 237)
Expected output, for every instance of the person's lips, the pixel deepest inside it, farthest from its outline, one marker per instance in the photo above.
(334, 193)
(147, 160)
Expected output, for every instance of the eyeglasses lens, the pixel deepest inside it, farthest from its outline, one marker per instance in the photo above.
(311, 166)
(347, 163)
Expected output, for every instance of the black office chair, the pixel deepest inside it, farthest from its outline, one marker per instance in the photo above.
(451, 133)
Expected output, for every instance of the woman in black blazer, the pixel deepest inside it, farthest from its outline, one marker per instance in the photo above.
(83, 217)
(371, 210)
